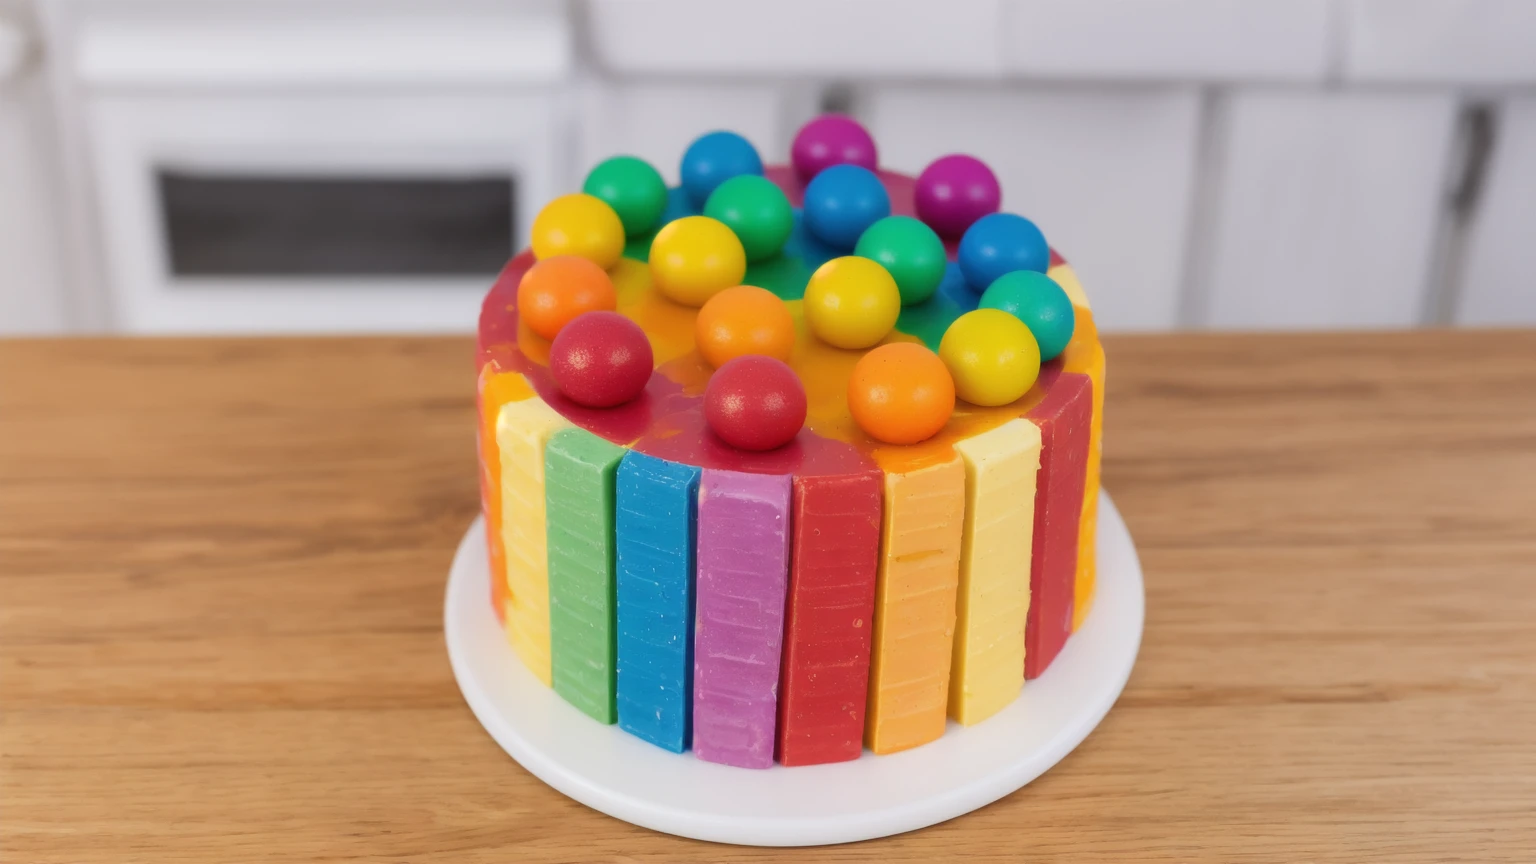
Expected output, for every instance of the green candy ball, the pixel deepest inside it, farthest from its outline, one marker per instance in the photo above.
(1035, 299)
(910, 250)
(632, 188)
(756, 211)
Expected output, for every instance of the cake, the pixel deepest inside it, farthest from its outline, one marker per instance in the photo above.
(788, 462)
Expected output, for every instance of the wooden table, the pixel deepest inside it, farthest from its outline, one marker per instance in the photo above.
(222, 566)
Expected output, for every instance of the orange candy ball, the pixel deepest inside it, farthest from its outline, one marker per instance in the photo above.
(744, 320)
(901, 393)
(556, 290)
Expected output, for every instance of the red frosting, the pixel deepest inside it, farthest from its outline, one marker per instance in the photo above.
(1065, 418)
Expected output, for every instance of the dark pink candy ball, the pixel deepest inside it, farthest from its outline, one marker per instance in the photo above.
(831, 139)
(954, 191)
(755, 403)
(600, 359)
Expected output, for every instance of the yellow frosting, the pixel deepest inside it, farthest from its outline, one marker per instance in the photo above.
(993, 599)
(523, 430)
(1066, 277)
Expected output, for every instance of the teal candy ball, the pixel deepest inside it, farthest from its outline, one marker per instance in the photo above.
(632, 188)
(910, 250)
(755, 209)
(1035, 299)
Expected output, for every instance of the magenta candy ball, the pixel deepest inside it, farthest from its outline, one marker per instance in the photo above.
(755, 403)
(831, 139)
(600, 359)
(954, 191)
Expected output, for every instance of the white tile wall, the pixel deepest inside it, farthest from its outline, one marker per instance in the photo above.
(1106, 173)
(1324, 210)
(1498, 278)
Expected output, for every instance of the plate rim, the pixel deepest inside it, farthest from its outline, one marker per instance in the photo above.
(469, 573)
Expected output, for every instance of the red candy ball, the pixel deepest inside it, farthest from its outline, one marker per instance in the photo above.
(755, 403)
(601, 359)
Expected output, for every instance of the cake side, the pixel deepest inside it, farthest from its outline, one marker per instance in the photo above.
(918, 629)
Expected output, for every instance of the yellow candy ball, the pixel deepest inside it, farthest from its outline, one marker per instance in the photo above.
(851, 302)
(694, 258)
(992, 356)
(580, 225)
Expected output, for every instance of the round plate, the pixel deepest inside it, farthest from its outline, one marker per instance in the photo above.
(610, 770)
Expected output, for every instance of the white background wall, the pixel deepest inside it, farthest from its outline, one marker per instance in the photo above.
(1203, 163)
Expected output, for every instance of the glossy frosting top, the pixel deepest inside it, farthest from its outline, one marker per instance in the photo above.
(667, 420)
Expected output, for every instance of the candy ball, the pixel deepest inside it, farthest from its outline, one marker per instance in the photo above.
(954, 191)
(831, 139)
(744, 320)
(851, 302)
(580, 225)
(901, 393)
(714, 158)
(601, 359)
(755, 403)
(910, 251)
(1035, 299)
(632, 188)
(694, 258)
(556, 290)
(842, 202)
(756, 211)
(1001, 243)
(991, 355)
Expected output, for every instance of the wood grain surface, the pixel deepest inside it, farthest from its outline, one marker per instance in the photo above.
(222, 565)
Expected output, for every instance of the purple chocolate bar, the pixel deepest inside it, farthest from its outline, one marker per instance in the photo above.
(743, 569)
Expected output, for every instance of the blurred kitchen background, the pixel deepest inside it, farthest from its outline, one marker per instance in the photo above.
(366, 165)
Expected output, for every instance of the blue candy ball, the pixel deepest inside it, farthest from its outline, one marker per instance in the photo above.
(842, 201)
(1001, 243)
(714, 158)
(1035, 299)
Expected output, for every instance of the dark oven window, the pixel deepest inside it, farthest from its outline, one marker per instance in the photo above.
(266, 225)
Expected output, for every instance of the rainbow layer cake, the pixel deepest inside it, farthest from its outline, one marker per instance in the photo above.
(788, 462)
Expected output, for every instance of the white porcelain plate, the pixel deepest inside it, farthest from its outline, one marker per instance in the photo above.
(607, 769)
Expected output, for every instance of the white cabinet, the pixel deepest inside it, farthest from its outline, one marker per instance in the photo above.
(1210, 40)
(1439, 42)
(656, 120)
(798, 38)
(1106, 172)
(260, 160)
(316, 167)
(1323, 209)
(1498, 276)
(911, 40)
(33, 299)
(1203, 163)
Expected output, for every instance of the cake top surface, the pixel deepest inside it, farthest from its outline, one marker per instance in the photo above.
(668, 419)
